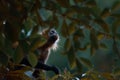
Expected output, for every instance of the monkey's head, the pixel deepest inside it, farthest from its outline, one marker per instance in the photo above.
(52, 37)
(53, 34)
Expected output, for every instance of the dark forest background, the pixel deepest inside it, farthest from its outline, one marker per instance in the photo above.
(89, 46)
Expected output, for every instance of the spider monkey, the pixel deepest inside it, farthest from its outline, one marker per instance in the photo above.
(44, 52)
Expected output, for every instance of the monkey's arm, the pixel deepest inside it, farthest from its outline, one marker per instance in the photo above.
(43, 66)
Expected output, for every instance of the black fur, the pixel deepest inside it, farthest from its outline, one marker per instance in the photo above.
(40, 65)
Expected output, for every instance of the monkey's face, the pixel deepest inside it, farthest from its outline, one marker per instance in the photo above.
(53, 38)
(53, 34)
(48, 33)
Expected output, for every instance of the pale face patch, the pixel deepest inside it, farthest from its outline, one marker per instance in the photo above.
(52, 32)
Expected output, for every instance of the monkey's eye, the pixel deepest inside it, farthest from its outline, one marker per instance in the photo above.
(52, 32)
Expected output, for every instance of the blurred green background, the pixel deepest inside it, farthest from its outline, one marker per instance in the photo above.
(89, 33)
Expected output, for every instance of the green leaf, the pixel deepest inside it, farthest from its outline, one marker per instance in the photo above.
(77, 44)
(86, 62)
(18, 55)
(32, 58)
(55, 21)
(100, 36)
(28, 25)
(35, 30)
(37, 42)
(76, 38)
(117, 71)
(72, 28)
(25, 46)
(115, 26)
(85, 47)
(116, 6)
(64, 29)
(82, 10)
(91, 3)
(39, 19)
(67, 44)
(103, 24)
(105, 13)
(64, 3)
(92, 50)
(103, 45)
(79, 65)
(79, 33)
(71, 58)
(3, 58)
(93, 39)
